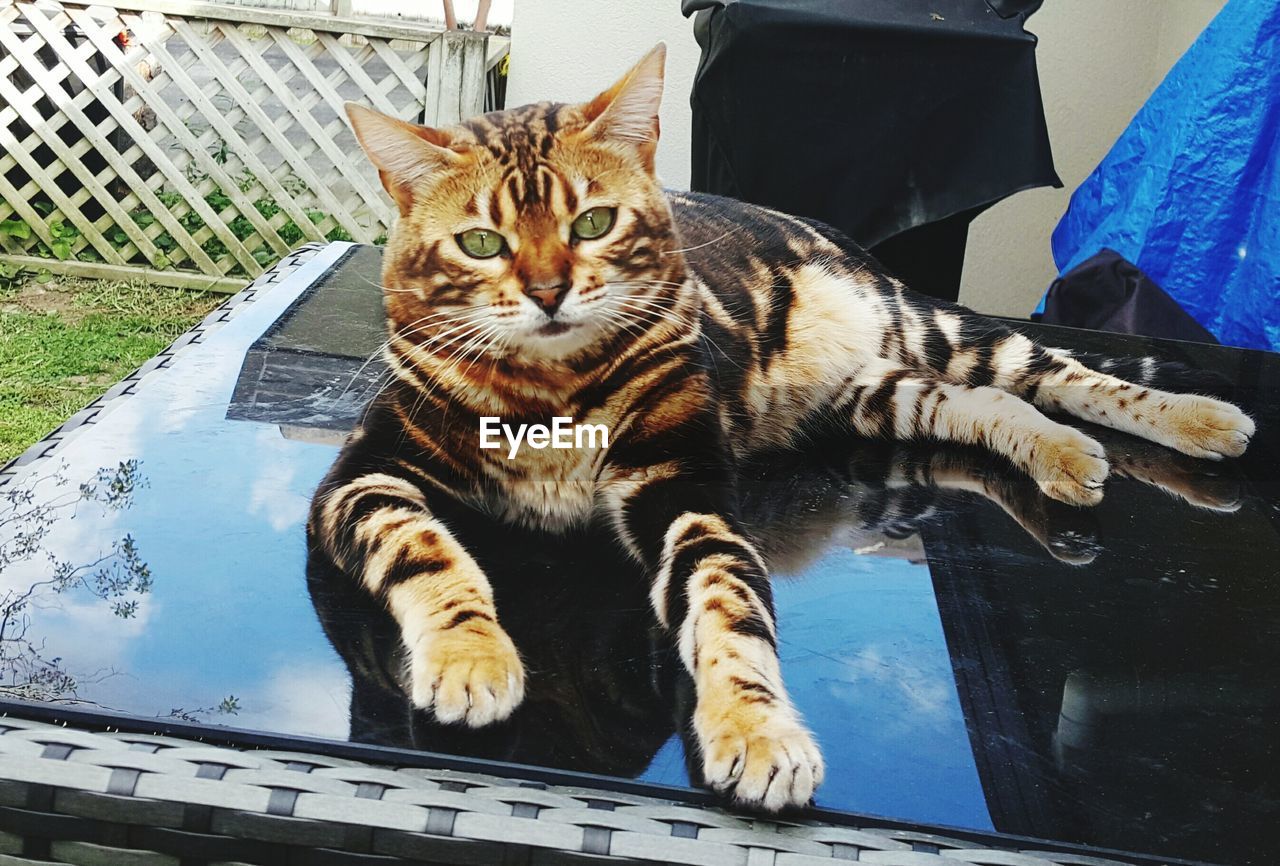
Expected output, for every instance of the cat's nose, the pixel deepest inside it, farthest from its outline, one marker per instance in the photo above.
(548, 296)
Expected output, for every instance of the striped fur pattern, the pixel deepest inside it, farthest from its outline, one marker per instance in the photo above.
(697, 331)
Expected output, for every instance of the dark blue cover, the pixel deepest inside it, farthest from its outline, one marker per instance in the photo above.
(1190, 193)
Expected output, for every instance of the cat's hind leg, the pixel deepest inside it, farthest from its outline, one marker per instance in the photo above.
(1191, 423)
(888, 400)
(965, 348)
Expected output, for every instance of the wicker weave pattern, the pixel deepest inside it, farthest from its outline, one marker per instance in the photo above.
(74, 796)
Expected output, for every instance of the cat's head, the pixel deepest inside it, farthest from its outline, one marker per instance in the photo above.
(536, 233)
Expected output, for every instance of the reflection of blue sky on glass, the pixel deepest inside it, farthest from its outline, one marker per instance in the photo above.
(220, 525)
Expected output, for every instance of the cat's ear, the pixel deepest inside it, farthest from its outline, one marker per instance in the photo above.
(628, 111)
(405, 154)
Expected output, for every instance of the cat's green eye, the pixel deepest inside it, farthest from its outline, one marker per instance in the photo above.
(481, 243)
(593, 223)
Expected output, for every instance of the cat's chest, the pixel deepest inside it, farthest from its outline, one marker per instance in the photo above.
(544, 473)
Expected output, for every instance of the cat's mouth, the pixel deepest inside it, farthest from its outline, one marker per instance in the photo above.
(552, 329)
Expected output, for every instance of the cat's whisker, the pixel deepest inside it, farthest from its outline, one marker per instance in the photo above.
(642, 310)
(644, 321)
(466, 347)
(701, 245)
(445, 319)
(633, 325)
(646, 282)
(495, 333)
(450, 328)
(462, 353)
(460, 338)
(658, 312)
(661, 312)
(467, 338)
(406, 332)
(653, 289)
(618, 308)
(623, 322)
(466, 327)
(421, 322)
(459, 341)
(640, 299)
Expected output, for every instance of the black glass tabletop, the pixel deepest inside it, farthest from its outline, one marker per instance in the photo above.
(967, 652)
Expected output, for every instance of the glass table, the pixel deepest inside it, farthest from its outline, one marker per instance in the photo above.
(968, 653)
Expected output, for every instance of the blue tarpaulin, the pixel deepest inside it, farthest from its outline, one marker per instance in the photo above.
(1191, 190)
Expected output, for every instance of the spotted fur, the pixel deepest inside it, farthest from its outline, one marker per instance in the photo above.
(698, 331)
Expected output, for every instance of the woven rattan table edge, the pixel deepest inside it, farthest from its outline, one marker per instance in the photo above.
(594, 792)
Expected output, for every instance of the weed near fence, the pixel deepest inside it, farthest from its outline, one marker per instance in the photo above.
(63, 246)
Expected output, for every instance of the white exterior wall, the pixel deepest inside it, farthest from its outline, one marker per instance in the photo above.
(1099, 60)
(567, 50)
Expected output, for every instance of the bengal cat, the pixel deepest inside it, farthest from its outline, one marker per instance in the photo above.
(539, 270)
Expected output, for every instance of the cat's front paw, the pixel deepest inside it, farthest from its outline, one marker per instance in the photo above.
(472, 675)
(1069, 466)
(1205, 427)
(760, 755)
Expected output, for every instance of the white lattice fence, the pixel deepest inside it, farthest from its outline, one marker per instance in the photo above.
(202, 142)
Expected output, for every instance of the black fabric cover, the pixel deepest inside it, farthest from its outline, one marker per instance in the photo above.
(875, 116)
(1009, 8)
(1109, 293)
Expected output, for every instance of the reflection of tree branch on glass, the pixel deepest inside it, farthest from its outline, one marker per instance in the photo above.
(228, 706)
(119, 577)
(604, 690)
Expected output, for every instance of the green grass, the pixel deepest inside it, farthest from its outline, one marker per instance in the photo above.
(64, 342)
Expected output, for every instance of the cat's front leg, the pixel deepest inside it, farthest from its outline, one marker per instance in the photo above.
(1194, 424)
(887, 400)
(462, 665)
(711, 591)
(754, 743)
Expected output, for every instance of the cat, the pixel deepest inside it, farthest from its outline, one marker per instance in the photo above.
(538, 270)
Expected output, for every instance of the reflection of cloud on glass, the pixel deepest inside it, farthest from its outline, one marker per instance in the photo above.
(900, 675)
(86, 632)
(204, 386)
(273, 494)
(314, 699)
